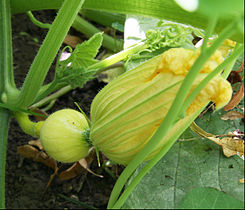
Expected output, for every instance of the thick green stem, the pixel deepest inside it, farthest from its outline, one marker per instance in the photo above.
(7, 85)
(103, 18)
(4, 123)
(210, 29)
(48, 51)
(29, 127)
(228, 69)
(52, 97)
(171, 116)
(117, 57)
(88, 29)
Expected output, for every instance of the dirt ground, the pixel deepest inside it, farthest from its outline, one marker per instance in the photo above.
(26, 179)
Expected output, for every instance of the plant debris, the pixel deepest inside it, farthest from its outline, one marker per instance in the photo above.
(231, 145)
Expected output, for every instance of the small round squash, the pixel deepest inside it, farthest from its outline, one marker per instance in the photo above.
(64, 134)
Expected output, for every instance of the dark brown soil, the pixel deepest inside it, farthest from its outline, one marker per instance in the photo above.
(26, 179)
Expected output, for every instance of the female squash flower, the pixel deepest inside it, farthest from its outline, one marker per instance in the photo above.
(127, 112)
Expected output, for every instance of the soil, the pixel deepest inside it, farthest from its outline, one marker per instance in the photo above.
(26, 179)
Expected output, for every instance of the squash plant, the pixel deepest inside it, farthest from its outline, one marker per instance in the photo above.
(170, 104)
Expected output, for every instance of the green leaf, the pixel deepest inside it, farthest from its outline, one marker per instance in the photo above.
(223, 8)
(158, 34)
(83, 55)
(192, 163)
(209, 198)
(73, 71)
(167, 9)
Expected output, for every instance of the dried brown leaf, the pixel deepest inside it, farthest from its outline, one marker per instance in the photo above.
(84, 164)
(36, 143)
(36, 155)
(235, 99)
(72, 40)
(39, 111)
(75, 170)
(52, 176)
(232, 115)
(233, 78)
(231, 146)
(241, 67)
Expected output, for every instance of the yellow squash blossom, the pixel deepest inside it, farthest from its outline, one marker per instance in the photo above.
(127, 112)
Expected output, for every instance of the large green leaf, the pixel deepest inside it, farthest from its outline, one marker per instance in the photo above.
(209, 198)
(166, 9)
(192, 163)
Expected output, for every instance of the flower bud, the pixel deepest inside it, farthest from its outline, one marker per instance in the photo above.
(127, 112)
(63, 135)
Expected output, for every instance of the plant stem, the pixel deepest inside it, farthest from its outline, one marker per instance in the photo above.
(37, 22)
(88, 29)
(209, 31)
(29, 127)
(52, 97)
(7, 85)
(47, 52)
(4, 124)
(171, 116)
(117, 57)
(229, 67)
(103, 18)
(100, 66)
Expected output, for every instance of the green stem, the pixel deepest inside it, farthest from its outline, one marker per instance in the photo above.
(117, 57)
(229, 67)
(48, 51)
(7, 85)
(101, 66)
(88, 29)
(4, 124)
(37, 22)
(29, 127)
(103, 18)
(171, 116)
(210, 29)
(47, 89)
